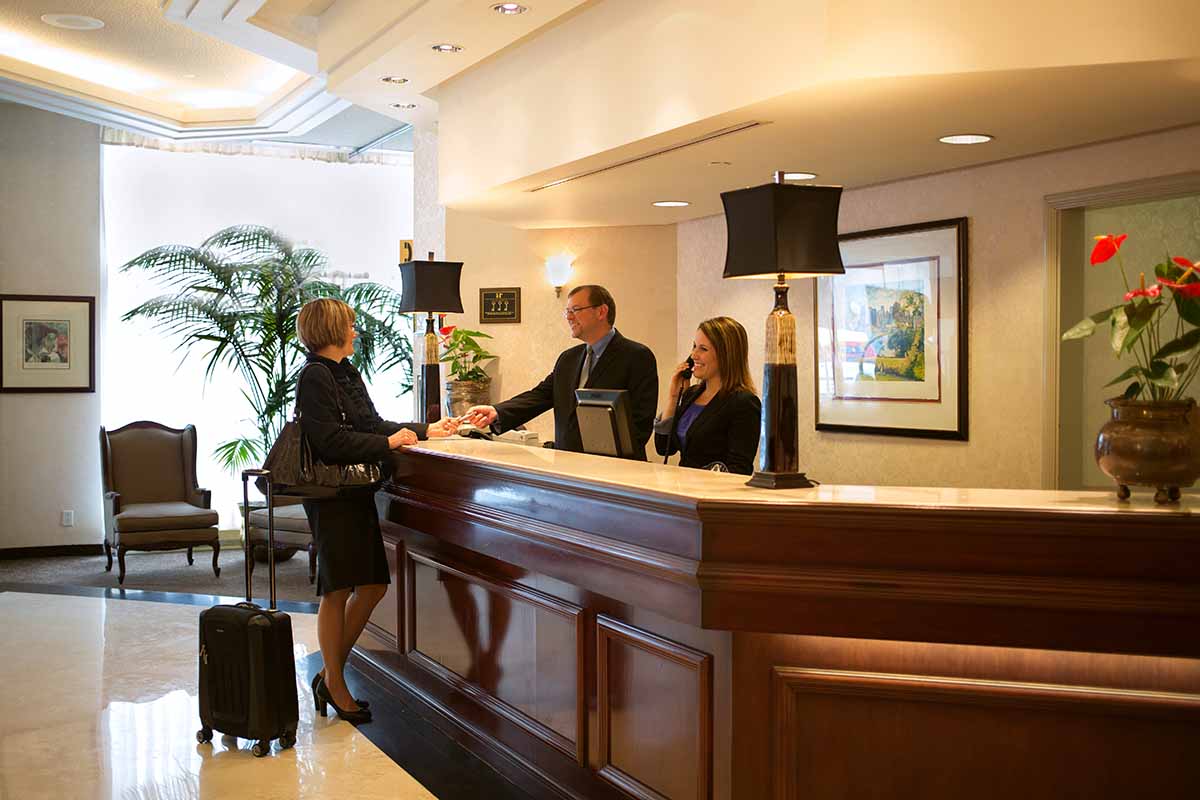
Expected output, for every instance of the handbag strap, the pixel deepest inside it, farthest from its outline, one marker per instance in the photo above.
(337, 392)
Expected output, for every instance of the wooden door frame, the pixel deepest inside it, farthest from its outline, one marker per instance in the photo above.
(1164, 187)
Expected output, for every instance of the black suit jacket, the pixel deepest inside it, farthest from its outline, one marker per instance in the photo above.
(726, 431)
(625, 364)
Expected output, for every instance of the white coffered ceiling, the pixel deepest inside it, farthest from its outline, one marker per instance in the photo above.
(856, 91)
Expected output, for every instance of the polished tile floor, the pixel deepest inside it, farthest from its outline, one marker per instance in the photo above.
(98, 700)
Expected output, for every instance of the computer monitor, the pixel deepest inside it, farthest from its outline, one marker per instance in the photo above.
(606, 424)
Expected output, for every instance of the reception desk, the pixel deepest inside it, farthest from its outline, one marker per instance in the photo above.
(626, 629)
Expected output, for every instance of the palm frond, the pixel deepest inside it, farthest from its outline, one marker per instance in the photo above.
(240, 453)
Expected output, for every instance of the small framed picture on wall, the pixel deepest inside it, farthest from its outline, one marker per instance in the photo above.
(500, 305)
(47, 343)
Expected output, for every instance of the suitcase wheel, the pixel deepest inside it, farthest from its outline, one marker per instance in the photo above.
(204, 735)
(260, 749)
(288, 740)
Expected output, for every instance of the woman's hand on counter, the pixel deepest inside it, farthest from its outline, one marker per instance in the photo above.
(446, 426)
(402, 438)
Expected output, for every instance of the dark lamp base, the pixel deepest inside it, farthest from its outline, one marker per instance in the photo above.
(780, 480)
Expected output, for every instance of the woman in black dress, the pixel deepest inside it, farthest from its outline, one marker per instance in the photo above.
(352, 568)
(716, 421)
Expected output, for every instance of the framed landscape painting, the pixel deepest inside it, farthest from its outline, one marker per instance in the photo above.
(47, 343)
(891, 349)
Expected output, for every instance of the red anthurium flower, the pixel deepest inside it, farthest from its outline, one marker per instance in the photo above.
(1142, 291)
(1183, 262)
(449, 329)
(1107, 247)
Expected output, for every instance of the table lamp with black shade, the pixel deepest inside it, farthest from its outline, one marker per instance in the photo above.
(783, 231)
(432, 287)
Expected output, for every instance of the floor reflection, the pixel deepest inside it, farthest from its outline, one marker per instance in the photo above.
(98, 700)
(484, 668)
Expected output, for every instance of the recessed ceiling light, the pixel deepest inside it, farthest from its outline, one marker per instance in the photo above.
(799, 176)
(404, 105)
(395, 79)
(672, 203)
(447, 48)
(966, 138)
(73, 22)
(508, 9)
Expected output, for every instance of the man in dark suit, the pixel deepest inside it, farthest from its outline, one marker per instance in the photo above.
(605, 360)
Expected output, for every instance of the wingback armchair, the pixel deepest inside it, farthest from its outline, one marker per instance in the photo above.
(151, 499)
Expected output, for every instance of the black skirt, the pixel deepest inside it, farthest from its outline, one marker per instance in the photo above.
(349, 543)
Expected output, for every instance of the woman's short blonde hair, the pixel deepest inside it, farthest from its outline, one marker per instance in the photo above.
(323, 323)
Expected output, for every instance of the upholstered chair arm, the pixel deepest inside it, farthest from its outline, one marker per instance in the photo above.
(200, 497)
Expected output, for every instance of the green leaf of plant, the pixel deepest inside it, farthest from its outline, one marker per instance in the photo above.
(1163, 374)
(1132, 390)
(1184, 345)
(1119, 330)
(1132, 372)
(1088, 326)
(1188, 308)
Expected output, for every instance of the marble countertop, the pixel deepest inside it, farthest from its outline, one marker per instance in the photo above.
(703, 486)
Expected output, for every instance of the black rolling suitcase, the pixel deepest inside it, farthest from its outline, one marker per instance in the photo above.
(247, 664)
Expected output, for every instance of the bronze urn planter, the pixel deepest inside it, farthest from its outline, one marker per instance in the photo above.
(461, 395)
(1151, 443)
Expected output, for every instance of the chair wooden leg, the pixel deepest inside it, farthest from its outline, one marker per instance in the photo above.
(312, 564)
(216, 553)
(190, 562)
(108, 554)
(121, 565)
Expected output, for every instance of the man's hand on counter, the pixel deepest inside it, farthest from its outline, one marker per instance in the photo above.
(480, 416)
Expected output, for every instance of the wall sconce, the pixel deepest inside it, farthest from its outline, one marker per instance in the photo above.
(559, 271)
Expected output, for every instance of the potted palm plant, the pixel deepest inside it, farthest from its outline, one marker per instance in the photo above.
(469, 384)
(234, 301)
(1153, 435)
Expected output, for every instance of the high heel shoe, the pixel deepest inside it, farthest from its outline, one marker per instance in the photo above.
(317, 679)
(323, 699)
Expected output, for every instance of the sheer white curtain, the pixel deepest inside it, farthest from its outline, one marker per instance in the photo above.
(356, 214)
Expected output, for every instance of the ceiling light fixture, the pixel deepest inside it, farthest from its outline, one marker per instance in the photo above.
(73, 22)
(672, 203)
(509, 9)
(394, 79)
(447, 48)
(966, 138)
(404, 105)
(799, 176)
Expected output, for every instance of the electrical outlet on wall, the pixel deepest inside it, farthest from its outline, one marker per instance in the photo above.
(68, 518)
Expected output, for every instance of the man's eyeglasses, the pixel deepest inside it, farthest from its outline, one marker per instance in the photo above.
(571, 311)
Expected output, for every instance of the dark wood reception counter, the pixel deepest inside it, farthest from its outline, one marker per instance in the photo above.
(625, 629)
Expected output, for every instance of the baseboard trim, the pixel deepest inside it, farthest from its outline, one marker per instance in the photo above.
(51, 551)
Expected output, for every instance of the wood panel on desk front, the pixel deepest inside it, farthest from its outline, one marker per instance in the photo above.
(516, 651)
(656, 714)
(841, 734)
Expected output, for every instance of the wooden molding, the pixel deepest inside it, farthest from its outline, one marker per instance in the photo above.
(51, 551)
(609, 631)
(576, 749)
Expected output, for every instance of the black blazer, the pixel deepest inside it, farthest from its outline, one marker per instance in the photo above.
(625, 364)
(726, 431)
(317, 398)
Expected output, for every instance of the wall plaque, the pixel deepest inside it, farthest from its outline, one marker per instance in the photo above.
(500, 305)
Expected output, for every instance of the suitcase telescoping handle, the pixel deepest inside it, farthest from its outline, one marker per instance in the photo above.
(265, 474)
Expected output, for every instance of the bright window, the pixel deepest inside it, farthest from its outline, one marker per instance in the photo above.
(356, 214)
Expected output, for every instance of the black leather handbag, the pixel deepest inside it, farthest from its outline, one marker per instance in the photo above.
(296, 472)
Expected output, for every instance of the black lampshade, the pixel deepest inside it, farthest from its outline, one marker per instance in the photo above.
(782, 228)
(431, 286)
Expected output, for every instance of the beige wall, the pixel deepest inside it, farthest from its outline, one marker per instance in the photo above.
(49, 244)
(1007, 343)
(636, 264)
